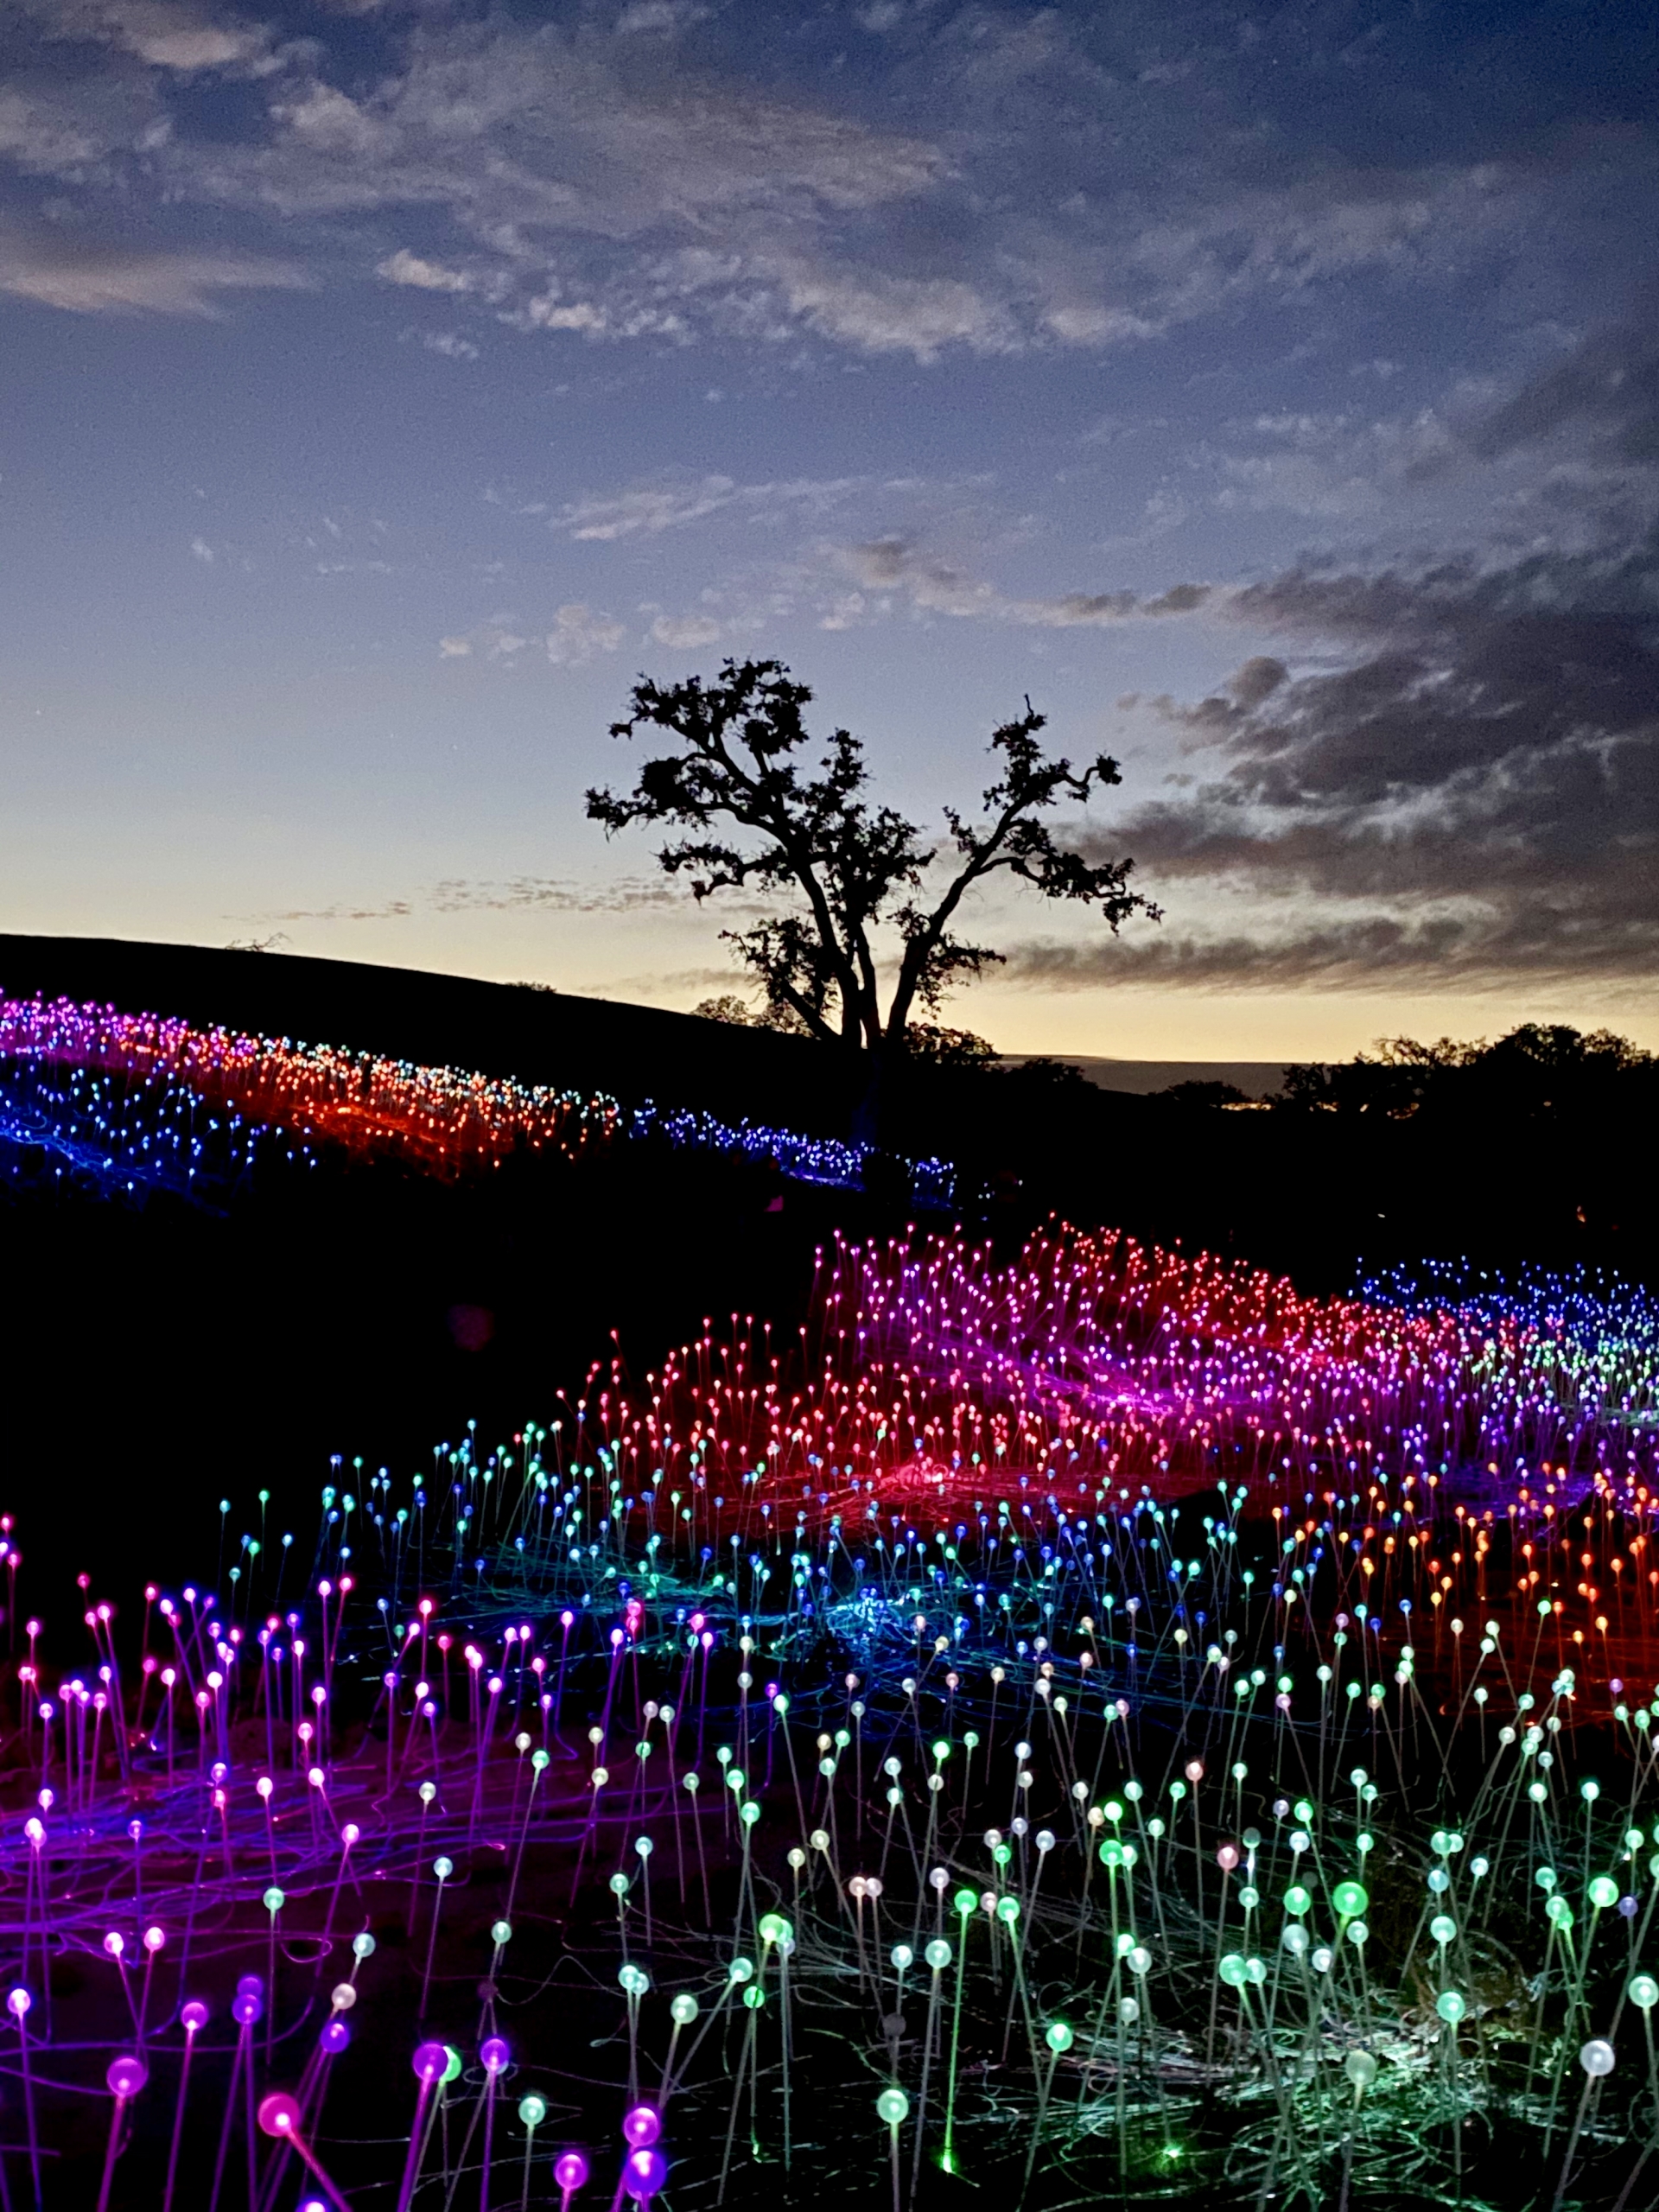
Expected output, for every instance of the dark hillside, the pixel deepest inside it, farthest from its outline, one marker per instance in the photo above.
(540, 1036)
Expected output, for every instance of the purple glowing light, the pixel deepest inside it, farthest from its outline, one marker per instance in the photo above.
(644, 2173)
(571, 2170)
(126, 2075)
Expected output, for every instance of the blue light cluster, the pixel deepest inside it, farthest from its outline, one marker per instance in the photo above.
(1592, 1339)
(804, 1159)
(127, 1137)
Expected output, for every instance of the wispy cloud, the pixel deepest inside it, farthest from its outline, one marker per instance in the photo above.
(576, 634)
(624, 895)
(63, 269)
(890, 565)
(512, 895)
(395, 910)
(659, 18)
(673, 501)
(685, 631)
(450, 344)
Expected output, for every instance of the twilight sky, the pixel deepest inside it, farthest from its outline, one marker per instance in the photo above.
(1274, 395)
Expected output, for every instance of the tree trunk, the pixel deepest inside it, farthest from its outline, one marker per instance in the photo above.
(868, 1113)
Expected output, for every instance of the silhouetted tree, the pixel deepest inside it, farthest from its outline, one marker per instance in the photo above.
(850, 872)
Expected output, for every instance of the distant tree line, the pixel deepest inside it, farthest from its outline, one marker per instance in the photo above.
(1537, 1070)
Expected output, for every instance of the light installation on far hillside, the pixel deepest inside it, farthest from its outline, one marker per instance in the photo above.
(141, 1129)
(442, 1120)
(1108, 1727)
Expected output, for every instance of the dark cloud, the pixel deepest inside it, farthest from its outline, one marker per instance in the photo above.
(1608, 957)
(1473, 795)
(1258, 680)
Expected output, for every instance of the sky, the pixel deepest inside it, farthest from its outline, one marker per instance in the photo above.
(1271, 395)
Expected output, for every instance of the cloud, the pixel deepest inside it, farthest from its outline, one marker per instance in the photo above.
(1290, 240)
(624, 895)
(1008, 181)
(578, 633)
(406, 268)
(63, 269)
(685, 630)
(395, 909)
(1256, 680)
(499, 638)
(511, 129)
(1299, 483)
(167, 33)
(450, 344)
(520, 893)
(1599, 960)
(202, 551)
(891, 564)
(1460, 785)
(673, 501)
(878, 312)
(659, 18)
(51, 131)
(1332, 465)
(1608, 383)
(550, 312)
(647, 508)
